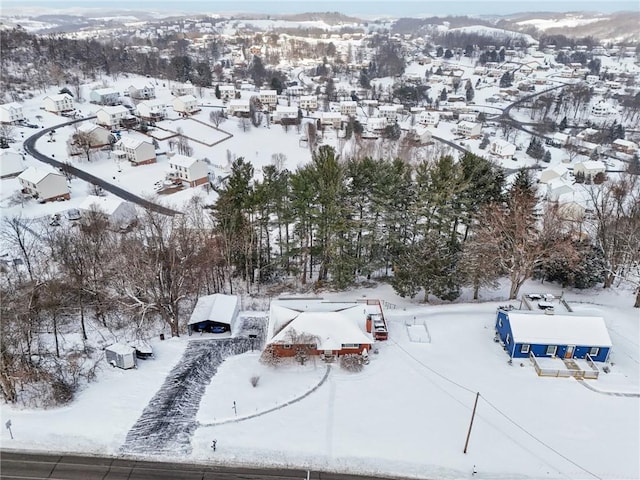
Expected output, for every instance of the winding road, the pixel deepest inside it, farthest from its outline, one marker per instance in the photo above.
(30, 148)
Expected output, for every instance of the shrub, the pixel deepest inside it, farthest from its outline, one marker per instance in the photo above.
(254, 380)
(351, 362)
(269, 357)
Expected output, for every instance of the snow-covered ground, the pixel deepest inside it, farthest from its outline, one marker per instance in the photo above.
(407, 413)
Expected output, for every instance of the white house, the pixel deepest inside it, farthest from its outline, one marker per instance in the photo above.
(429, 118)
(193, 171)
(44, 185)
(268, 98)
(104, 96)
(145, 92)
(559, 139)
(11, 113)
(421, 134)
(333, 119)
(388, 112)
(376, 124)
(589, 168)
(602, 109)
(227, 92)
(558, 187)
(58, 103)
(112, 116)
(553, 172)
(11, 163)
(152, 110)
(348, 107)
(119, 212)
(238, 107)
(308, 102)
(100, 136)
(181, 89)
(186, 104)
(135, 150)
(285, 113)
(469, 129)
(502, 148)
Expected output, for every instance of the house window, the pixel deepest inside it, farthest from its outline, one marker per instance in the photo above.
(551, 350)
(500, 322)
(286, 346)
(525, 348)
(508, 339)
(594, 351)
(350, 345)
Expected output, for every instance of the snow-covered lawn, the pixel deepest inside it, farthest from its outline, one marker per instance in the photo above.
(406, 413)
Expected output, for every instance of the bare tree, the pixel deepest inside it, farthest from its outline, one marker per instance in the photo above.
(217, 117)
(85, 142)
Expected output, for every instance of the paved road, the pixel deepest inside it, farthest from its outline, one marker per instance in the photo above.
(30, 148)
(22, 466)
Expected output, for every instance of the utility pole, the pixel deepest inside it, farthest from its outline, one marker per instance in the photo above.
(473, 414)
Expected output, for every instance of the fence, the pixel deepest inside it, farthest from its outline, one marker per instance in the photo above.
(571, 370)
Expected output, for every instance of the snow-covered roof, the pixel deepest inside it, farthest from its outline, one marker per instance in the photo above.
(592, 165)
(332, 329)
(182, 161)
(543, 329)
(10, 163)
(187, 98)
(121, 349)
(11, 106)
(106, 91)
(131, 142)
(106, 205)
(35, 175)
(59, 97)
(114, 110)
(217, 308)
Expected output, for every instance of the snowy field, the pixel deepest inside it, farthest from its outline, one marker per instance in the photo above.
(407, 413)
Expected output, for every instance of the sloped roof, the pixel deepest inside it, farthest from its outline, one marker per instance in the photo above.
(217, 307)
(35, 175)
(543, 329)
(106, 205)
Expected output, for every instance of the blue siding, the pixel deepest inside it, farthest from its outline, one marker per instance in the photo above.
(503, 328)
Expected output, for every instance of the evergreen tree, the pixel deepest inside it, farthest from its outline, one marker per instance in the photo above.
(547, 156)
(505, 80)
(217, 92)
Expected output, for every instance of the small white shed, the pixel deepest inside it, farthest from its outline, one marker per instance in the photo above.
(122, 356)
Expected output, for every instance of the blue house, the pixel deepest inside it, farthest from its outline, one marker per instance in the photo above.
(553, 335)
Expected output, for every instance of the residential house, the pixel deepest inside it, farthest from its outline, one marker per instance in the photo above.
(112, 116)
(186, 105)
(376, 125)
(239, 107)
(61, 103)
(117, 211)
(557, 188)
(558, 140)
(469, 129)
(333, 119)
(553, 172)
(100, 136)
(525, 333)
(215, 313)
(308, 102)
(429, 118)
(104, 96)
(388, 112)
(625, 146)
(589, 168)
(421, 134)
(325, 329)
(182, 89)
(152, 110)
(268, 98)
(145, 92)
(602, 109)
(348, 108)
(11, 163)
(501, 148)
(227, 92)
(191, 170)
(11, 113)
(284, 114)
(135, 150)
(44, 185)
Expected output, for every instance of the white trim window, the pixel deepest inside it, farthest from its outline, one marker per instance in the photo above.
(286, 346)
(594, 351)
(552, 350)
(525, 348)
(350, 345)
(508, 339)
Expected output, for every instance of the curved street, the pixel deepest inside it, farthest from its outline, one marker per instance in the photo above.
(30, 148)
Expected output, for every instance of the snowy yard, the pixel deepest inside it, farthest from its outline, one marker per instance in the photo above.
(407, 413)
